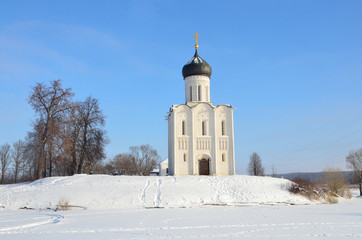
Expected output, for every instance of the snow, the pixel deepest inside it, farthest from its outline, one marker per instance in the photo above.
(301, 222)
(116, 209)
(106, 192)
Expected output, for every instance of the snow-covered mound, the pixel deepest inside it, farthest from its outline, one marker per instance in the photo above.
(104, 192)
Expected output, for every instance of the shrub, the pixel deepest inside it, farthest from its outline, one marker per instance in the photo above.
(335, 186)
(334, 179)
(63, 205)
(336, 182)
(305, 188)
(330, 198)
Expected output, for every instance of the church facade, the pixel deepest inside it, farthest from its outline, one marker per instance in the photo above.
(200, 135)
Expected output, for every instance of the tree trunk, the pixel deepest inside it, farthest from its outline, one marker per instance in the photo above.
(2, 177)
(50, 159)
(16, 174)
(91, 167)
(360, 189)
(39, 174)
(50, 166)
(73, 169)
(41, 162)
(73, 166)
(82, 154)
(81, 162)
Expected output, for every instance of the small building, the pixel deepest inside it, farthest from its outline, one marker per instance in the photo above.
(155, 172)
(163, 166)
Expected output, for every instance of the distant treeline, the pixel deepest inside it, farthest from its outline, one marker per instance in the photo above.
(316, 176)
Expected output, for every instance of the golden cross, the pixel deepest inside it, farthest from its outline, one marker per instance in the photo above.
(196, 36)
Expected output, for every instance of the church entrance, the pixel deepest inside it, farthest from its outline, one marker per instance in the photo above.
(204, 167)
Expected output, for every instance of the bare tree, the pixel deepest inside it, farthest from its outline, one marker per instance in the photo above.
(274, 171)
(104, 168)
(92, 137)
(72, 136)
(146, 158)
(18, 158)
(32, 151)
(95, 148)
(336, 181)
(50, 102)
(354, 161)
(255, 167)
(123, 164)
(141, 160)
(4, 160)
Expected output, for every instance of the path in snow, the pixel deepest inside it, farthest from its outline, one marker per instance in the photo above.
(151, 193)
(28, 221)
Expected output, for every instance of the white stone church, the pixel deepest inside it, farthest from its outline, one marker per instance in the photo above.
(200, 135)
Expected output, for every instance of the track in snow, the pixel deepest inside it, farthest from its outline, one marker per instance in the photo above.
(14, 226)
(150, 196)
(340, 221)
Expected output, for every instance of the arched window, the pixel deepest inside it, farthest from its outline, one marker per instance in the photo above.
(183, 128)
(199, 93)
(223, 157)
(203, 128)
(223, 127)
(185, 157)
(190, 93)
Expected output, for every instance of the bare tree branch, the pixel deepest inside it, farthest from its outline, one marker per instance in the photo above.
(255, 167)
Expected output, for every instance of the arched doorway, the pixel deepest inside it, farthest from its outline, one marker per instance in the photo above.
(204, 167)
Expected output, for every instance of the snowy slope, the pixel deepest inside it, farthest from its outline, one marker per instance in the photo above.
(105, 192)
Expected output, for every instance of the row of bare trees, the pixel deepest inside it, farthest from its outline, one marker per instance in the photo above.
(140, 160)
(67, 136)
(14, 162)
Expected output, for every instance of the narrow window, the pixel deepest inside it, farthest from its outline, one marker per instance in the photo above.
(203, 127)
(183, 128)
(190, 93)
(207, 94)
(223, 157)
(185, 157)
(199, 93)
(223, 127)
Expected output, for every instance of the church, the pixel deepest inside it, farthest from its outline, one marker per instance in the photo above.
(200, 135)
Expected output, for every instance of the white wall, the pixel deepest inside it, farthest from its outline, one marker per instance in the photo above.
(194, 82)
(163, 167)
(195, 145)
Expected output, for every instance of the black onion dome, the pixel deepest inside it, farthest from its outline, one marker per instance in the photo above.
(196, 66)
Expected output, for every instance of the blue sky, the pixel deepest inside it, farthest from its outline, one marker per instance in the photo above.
(293, 70)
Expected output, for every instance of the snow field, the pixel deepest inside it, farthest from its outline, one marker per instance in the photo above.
(301, 222)
(190, 207)
(108, 192)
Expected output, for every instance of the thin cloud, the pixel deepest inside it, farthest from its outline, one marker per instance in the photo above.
(75, 34)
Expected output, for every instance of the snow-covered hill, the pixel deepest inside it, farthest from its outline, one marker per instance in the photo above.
(105, 192)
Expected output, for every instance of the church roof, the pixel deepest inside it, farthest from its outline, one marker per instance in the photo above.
(194, 106)
(196, 66)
